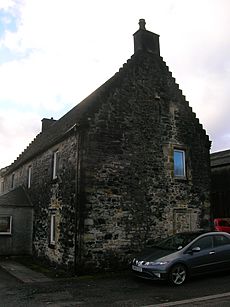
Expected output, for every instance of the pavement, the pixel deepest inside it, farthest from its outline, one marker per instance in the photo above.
(218, 300)
(28, 276)
(23, 273)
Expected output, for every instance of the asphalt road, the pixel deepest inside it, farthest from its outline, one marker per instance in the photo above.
(110, 290)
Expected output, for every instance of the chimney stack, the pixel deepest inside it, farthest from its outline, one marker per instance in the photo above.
(145, 40)
(47, 122)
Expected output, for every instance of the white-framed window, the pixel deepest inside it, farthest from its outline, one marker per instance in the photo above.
(179, 163)
(29, 176)
(55, 164)
(52, 229)
(2, 185)
(5, 225)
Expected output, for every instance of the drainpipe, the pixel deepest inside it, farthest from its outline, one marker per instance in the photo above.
(78, 205)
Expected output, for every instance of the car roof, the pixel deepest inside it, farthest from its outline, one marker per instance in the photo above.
(203, 232)
(215, 233)
(198, 232)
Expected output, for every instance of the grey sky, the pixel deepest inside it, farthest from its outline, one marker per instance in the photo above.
(55, 53)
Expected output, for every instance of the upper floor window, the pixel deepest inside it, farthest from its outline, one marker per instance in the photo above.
(12, 181)
(179, 163)
(55, 164)
(2, 186)
(29, 176)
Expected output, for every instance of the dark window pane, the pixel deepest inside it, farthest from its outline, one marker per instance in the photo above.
(221, 240)
(5, 224)
(203, 243)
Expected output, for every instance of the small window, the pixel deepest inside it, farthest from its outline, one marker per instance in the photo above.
(2, 186)
(52, 229)
(179, 163)
(29, 177)
(12, 181)
(5, 225)
(55, 164)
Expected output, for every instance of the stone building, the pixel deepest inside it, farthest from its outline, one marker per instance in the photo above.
(220, 184)
(128, 163)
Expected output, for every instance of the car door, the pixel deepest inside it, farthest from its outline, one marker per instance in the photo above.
(201, 256)
(222, 250)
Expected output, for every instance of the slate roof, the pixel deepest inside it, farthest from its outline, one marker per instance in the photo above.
(16, 197)
(75, 118)
(220, 158)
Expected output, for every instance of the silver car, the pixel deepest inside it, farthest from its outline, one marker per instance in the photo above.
(182, 255)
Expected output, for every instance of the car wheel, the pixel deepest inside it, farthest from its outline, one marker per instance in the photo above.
(177, 275)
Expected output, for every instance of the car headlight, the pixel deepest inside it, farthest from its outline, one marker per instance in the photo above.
(157, 263)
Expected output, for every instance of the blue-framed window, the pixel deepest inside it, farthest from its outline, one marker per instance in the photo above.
(179, 163)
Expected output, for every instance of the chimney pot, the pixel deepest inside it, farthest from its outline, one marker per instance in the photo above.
(142, 24)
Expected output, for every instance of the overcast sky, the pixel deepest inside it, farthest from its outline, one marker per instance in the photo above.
(54, 53)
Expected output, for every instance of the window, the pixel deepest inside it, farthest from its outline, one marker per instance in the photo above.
(5, 225)
(220, 240)
(203, 243)
(29, 177)
(52, 229)
(2, 186)
(12, 180)
(179, 163)
(55, 164)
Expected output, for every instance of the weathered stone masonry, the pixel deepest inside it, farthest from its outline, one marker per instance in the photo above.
(131, 192)
(48, 195)
(115, 185)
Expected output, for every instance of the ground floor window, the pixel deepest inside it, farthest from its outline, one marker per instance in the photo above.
(52, 229)
(5, 225)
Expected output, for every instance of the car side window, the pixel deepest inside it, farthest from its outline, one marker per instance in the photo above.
(203, 243)
(220, 240)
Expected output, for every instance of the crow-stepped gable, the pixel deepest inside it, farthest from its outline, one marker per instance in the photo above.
(128, 163)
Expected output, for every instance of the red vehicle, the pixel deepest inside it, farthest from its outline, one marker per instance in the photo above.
(222, 224)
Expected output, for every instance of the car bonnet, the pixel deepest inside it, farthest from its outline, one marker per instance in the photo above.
(154, 253)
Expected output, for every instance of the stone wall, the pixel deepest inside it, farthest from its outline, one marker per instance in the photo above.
(52, 196)
(115, 187)
(58, 196)
(131, 194)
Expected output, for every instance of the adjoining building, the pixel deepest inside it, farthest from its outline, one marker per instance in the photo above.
(128, 163)
(220, 184)
(16, 223)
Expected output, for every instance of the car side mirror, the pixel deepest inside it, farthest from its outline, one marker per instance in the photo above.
(194, 250)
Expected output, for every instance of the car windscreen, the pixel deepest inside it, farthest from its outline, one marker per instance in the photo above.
(176, 241)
